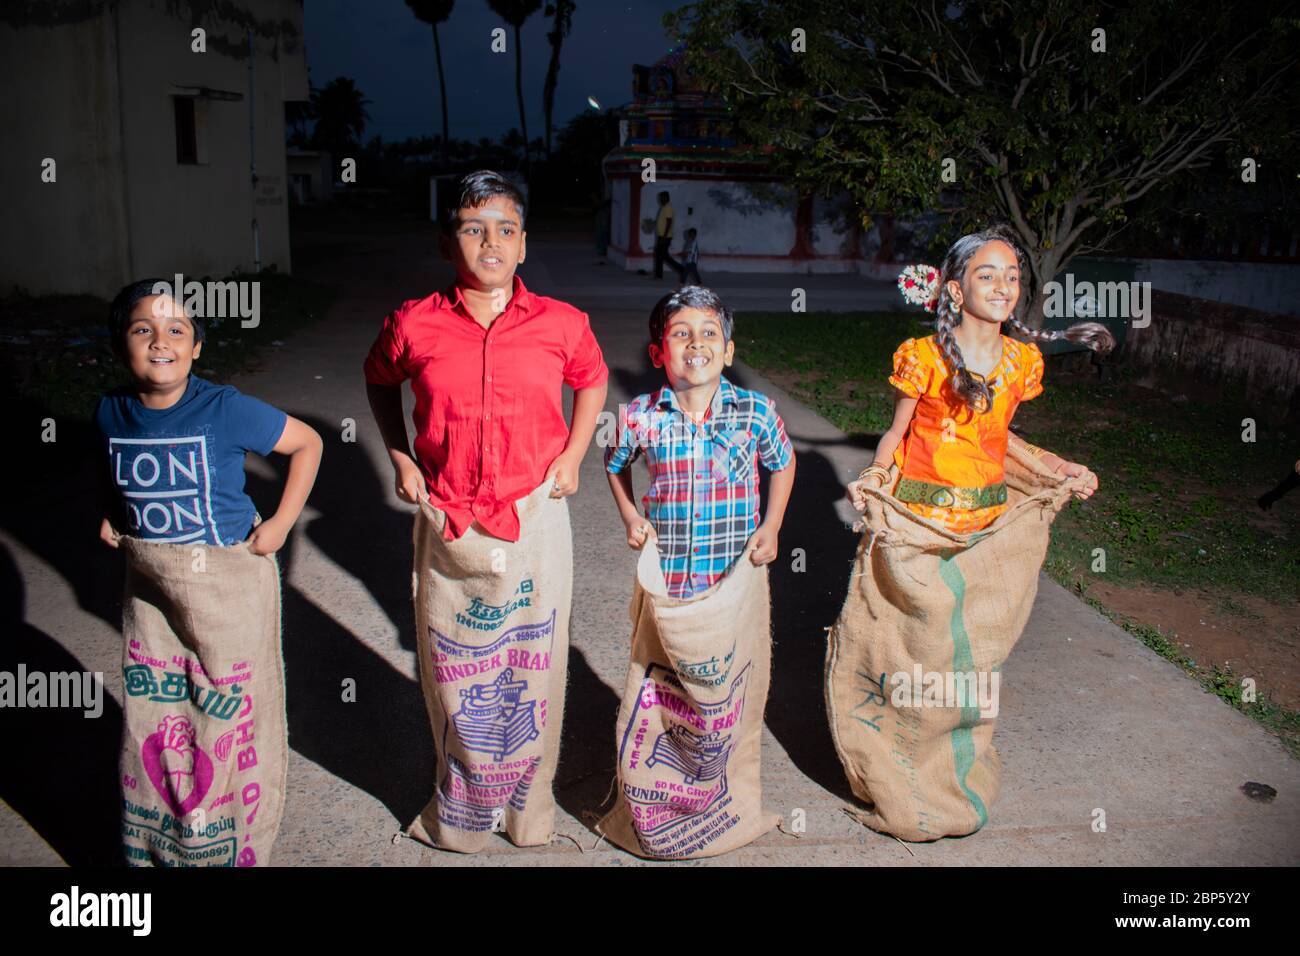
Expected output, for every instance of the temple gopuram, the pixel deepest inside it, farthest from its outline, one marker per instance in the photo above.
(747, 218)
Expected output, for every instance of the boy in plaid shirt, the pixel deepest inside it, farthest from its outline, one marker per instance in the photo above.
(702, 438)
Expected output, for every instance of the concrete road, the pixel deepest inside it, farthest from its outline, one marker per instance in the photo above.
(1091, 720)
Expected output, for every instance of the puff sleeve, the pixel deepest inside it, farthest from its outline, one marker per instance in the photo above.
(1031, 358)
(912, 374)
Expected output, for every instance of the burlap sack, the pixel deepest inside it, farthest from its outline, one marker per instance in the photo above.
(925, 601)
(205, 745)
(492, 626)
(691, 722)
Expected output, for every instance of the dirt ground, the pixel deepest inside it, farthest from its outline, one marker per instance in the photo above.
(1251, 636)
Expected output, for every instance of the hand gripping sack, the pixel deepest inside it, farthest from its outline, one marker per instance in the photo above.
(690, 725)
(492, 628)
(205, 747)
(913, 663)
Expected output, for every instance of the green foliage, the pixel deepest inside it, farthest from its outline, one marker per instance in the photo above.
(1057, 139)
(340, 113)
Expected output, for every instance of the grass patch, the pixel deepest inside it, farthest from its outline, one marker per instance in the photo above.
(839, 362)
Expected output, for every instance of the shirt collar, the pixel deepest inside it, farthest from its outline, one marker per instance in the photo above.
(725, 395)
(519, 296)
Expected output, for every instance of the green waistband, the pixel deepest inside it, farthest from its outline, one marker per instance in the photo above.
(946, 496)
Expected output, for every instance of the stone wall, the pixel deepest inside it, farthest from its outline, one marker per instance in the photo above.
(1219, 344)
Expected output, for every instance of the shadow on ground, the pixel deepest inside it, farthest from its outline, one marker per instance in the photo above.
(62, 778)
(380, 742)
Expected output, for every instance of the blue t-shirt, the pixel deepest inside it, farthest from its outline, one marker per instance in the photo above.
(180, 470)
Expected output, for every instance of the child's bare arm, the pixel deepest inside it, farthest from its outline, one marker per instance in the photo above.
(587, 403)
(386, 406)
(107, 532)
(1058, 465)
(904, 409)
(303, 446)
(763, 545)
(638, 528)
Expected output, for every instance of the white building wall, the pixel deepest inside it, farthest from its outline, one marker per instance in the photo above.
(730, 219)
(96, 95)
(69, 235)
(741, 228)
(620, 196)
(830, 237)
(197, 219)
(1268, 286)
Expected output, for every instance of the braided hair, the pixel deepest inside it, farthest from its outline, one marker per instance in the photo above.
(971, 387)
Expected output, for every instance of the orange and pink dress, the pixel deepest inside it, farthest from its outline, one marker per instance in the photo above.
(950, 461)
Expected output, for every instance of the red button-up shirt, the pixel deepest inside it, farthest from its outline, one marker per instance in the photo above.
(489, 418)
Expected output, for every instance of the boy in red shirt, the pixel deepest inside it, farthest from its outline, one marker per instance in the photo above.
(487, 360)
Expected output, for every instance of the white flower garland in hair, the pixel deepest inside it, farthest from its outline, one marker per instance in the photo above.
(919, 285)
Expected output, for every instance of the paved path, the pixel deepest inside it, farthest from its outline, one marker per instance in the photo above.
(1090, 718)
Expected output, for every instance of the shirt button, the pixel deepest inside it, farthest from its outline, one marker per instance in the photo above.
(697, 514)
(487, 415)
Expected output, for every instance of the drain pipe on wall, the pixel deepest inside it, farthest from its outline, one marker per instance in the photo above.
(252, 152)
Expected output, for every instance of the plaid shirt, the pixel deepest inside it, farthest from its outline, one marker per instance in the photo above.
(703, 494)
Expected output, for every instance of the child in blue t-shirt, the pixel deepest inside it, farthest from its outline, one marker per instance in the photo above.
(176, 443)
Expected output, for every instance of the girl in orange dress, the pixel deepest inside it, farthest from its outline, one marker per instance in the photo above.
(959, 389)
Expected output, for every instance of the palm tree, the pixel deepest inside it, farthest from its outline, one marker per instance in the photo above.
(434, 12)
(562, 11)
(515, 12)
(341, 116)
(297, 113)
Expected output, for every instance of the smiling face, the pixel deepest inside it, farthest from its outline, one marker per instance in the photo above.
(487, 245)
(160, 347)
(990, 288)
(694, 351)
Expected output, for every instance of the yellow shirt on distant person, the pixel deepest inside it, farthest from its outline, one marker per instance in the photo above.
(663, 227)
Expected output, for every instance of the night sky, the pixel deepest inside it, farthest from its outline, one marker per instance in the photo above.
(389, 54)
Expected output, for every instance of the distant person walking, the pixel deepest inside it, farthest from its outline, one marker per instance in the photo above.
(690, 271)
(664, 236)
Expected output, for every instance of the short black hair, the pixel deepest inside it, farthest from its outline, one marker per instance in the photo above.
(474, 190)
(692, 231)
(689, 297)
(124, 303)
